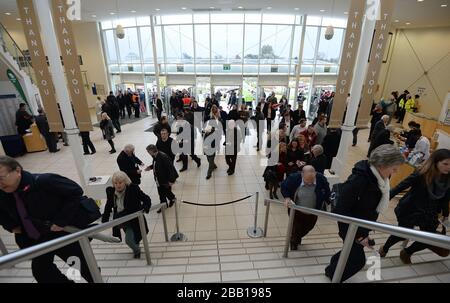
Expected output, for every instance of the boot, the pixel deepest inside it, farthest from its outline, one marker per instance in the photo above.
(405, 257)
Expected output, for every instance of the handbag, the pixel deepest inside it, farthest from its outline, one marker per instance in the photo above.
(88, 213)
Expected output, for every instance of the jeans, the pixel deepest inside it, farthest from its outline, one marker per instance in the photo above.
(130, 241)
(211, 164)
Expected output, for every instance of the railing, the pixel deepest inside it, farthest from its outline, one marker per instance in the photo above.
(354, 223)
(82, 237)
(10, 46)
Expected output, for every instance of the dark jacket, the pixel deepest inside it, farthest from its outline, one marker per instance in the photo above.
(298, 115)
(292, 183)
(266, 110)
(42, 124)
(135, 200)
(166, 147)
(319, 163)
(159, 104)
(23, 121)
(113, 107)
(130, 166)
(382, 138)
(417, 207)
(359, 198)
(379, 126)
(47, 197)
(107, 129)
(163, 169)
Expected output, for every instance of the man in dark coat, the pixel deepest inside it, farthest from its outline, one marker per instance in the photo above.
(165, 174)
(44, 128)
(382, 138)
(129, 164)
(121, 101)
(164, 144)
(114, 111)
(163, 123)
(36, 208)
(298, 114)
(159, 107)
(307, 189)
(23, 119)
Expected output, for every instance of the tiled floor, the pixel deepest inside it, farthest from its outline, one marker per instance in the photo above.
(197, 222)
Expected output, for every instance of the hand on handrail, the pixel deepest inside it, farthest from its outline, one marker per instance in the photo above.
(288, 202)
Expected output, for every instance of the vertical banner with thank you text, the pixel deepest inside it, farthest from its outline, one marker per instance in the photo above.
(66, 40)
(39, 62)
(349, 52)
(380, 40)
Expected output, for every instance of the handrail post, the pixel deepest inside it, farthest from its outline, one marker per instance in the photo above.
(345, 252)
(163, 213)
(90, 260)
(177, 236)
(144, 238)
(3, 249)
(254, 231)
(289, 231)
(266, 221)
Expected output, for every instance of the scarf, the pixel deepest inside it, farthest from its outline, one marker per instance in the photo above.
(384, 186)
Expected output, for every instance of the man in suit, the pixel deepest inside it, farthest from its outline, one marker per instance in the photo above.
(165, 174)
(114, 111)
(23, 119)
(44, 128)
(36, 208)
(129, 164)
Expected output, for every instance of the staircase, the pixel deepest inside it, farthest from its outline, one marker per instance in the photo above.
(244, 260)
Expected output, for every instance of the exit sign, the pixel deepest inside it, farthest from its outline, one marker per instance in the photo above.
(227, 67)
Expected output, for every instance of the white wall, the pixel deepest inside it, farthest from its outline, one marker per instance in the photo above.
(7, 88)
(416, 50)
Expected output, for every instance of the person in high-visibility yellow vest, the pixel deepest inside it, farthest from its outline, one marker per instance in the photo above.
(401, 110)
(410, 104)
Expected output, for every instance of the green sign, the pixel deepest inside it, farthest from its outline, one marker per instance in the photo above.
(12, 77)
(227, 67)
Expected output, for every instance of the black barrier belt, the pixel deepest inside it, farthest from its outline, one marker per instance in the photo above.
(220, 204)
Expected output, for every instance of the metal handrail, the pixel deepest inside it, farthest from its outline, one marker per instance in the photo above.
(82, 236)
(438, 240)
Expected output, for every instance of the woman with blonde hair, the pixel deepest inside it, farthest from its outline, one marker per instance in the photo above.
(125, 198)
(108, 131)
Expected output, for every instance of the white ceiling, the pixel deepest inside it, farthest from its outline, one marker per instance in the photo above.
(427, 13)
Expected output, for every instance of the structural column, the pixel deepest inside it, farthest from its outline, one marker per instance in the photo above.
(355, 95)
(50, 42)
(300, 59)
(155, 56)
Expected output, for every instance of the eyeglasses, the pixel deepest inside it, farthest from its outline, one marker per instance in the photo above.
(2, 178)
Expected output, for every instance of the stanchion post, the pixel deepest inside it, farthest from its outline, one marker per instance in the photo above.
(348, 244)
(90, 260)
(163, 213)
(255, 231)
(266, 221)
(177, 236)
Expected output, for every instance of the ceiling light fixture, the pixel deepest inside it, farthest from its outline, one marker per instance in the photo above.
(111, 13)
(408, 23)
(240, 7)
(8, 14)
(157, 9)
(184, 8)
(322, 10)
(296, 8)
(419, 0)
(443, 5)
(94, 16)
(345, 13)
(396, 21)
(211, 7)
(18, 19)
(133, 11)
(269, 7)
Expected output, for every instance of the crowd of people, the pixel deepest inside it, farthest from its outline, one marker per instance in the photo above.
(304, 153)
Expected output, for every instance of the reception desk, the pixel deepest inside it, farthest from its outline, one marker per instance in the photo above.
(427, 125)
(405, 170)
(34, 141)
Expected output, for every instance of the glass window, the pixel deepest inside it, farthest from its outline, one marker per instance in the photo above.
(176, 19)
(336, 22)
(252, 18)
(330, 50)
(313, 20)
(278, 19)
(159, 44)
(275, 44)
(179, 43)
(226, 43)
(201, 18)
(106, 24)
(251, 44)
(128, 47)
(143, 20)
(146, 40)
(310, 44)
(296, 44)
(129, 22)
(202, 48)
(227, 18)
(110, 46)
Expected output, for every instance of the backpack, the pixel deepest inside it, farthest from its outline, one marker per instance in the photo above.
(336, 193)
